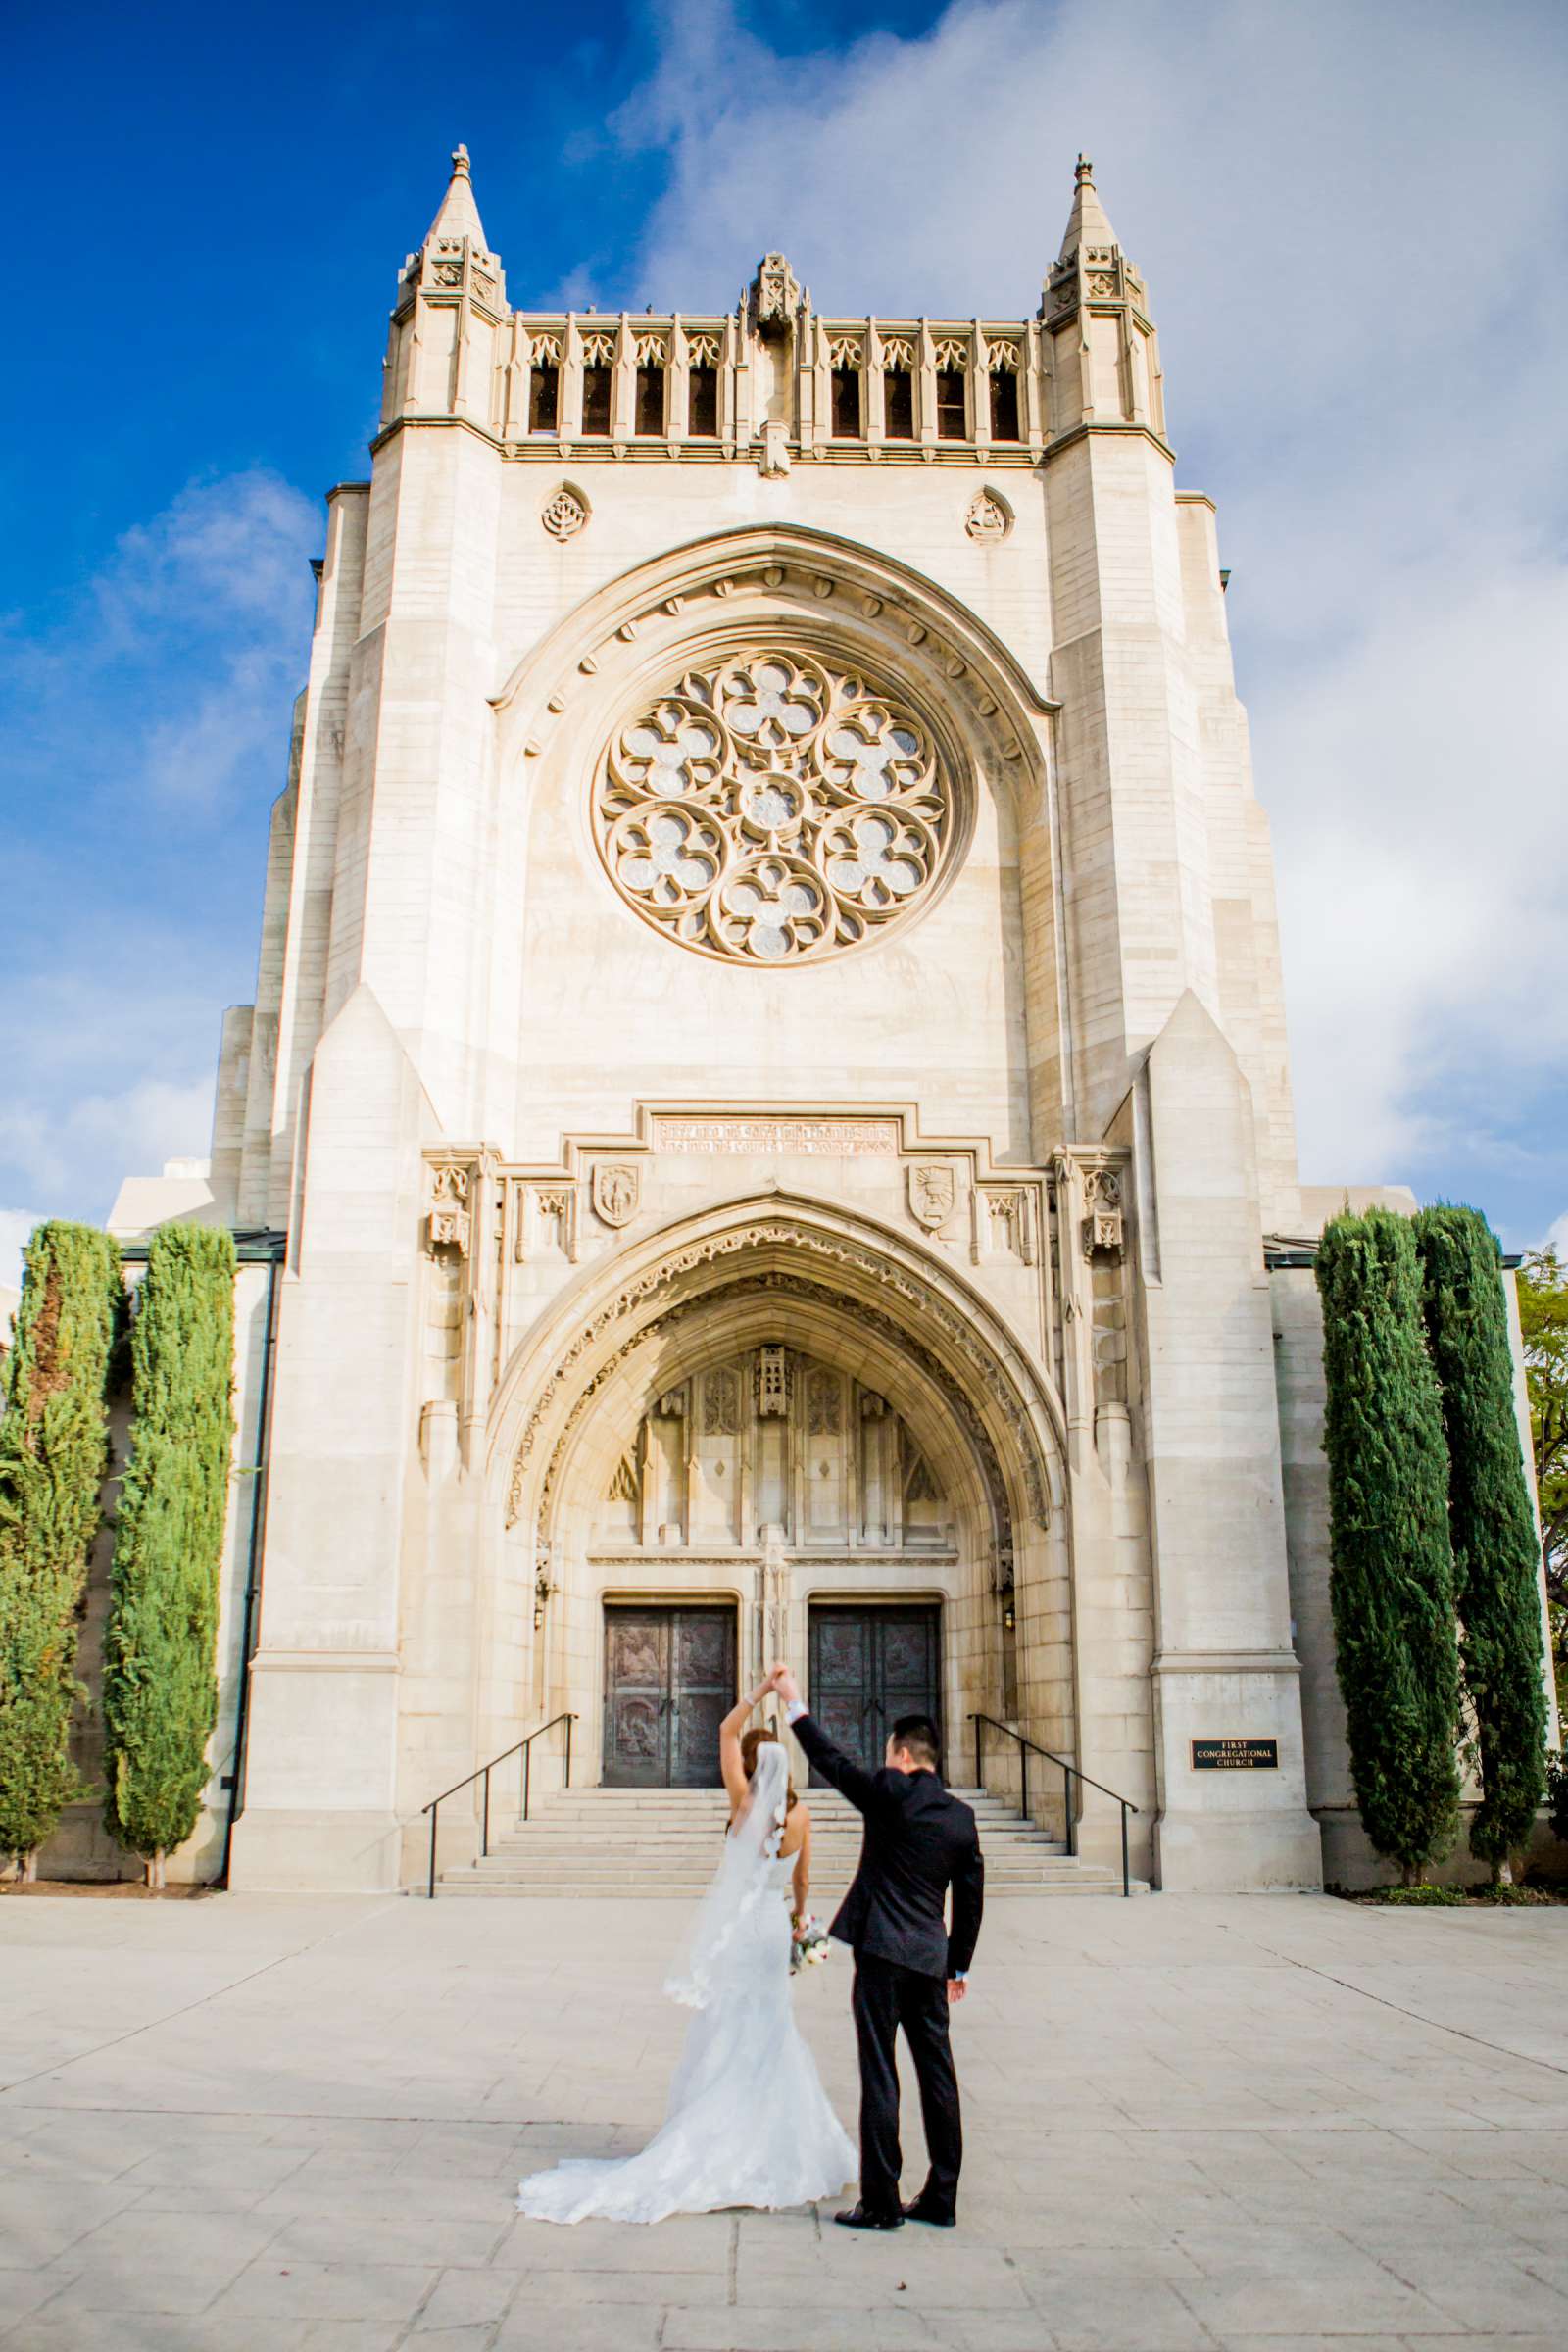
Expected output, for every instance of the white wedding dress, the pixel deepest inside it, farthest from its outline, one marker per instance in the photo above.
(747, 2121)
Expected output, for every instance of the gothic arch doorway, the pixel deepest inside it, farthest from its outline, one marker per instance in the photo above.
(769, 1416)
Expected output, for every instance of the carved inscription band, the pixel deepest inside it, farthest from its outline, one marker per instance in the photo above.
(838, 1139)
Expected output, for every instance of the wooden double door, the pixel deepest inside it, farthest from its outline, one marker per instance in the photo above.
(868, 1666)
(670, 1681)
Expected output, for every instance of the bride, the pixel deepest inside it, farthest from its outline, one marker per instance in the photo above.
(747, 2123)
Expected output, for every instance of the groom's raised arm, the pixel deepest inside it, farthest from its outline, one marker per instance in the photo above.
(852, 1780)
(849, 1779)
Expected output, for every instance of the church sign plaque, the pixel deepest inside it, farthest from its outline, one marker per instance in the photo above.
(1236, 1755)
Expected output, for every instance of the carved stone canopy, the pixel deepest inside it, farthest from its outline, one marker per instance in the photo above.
(775, 296)
(1103, 1228)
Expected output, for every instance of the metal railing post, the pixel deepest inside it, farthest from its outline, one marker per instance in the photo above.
(1024, 1780)
(1126, 1873)
(434, 1810)
(485, 1837)
(1066, 1810)
(528, 1776)
(567, 1782)
(979, 1771)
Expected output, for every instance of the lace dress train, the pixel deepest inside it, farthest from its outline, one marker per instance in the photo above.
(747, 2121)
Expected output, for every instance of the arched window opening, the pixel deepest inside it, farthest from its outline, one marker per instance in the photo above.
(702, 404)
(595, 383)
(544, 397)
(952, 407)
(1003, 404)
(702, 388)
(847, 404)
(651, 396)
(898, 405)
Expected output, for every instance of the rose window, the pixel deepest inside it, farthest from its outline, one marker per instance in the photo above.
(771, 810)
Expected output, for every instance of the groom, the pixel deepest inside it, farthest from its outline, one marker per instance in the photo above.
(909, 1969)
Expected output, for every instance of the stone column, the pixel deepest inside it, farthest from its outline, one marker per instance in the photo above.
(321, 1790)
(1224, 1668)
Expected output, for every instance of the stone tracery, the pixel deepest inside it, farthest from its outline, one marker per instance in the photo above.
(769, 808)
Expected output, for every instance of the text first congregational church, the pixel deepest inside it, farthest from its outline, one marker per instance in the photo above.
(765, 1126)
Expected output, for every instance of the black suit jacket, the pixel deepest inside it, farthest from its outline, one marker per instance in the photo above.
(919, 1839)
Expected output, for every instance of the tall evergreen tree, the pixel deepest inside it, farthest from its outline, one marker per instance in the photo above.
(160, 1677)
(1497, 1562)
(1392, 1581)
(54, 1452)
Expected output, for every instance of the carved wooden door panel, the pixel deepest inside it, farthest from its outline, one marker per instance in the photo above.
(868, 1666)
(670, 1681)
(702, 1693)
(636, 1698)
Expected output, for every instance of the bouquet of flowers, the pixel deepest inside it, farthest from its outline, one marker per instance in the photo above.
(808, 1943)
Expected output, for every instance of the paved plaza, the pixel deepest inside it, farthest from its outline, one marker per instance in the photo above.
(1194, 2123)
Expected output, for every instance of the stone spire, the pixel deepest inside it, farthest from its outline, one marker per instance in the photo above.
(452, 300)
(459, 216)
(1094, 308)
(1087, 224)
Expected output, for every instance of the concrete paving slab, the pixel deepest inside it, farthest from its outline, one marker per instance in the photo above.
(1193, 2126)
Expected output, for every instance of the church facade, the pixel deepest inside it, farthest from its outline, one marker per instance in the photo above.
(770, 1058)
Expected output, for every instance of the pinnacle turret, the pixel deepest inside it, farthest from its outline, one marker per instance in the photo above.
(1087, 224)
(452, 299)
(459, 216)
(1096, 308)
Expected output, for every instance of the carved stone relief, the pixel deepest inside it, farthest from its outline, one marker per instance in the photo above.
(722, 1404)
(617, 1190)
(1103, 1223)
(932, 1191)
(988, 518)
(824, 1400)
(451, 1220)
(566, 513)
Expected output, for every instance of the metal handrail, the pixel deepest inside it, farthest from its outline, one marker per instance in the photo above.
(522, 1748)
(1069, 1774)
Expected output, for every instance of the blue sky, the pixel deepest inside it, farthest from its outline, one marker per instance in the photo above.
(1351, 218)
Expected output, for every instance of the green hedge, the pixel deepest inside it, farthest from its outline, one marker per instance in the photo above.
(159, 1679)
(1392, 1579)
(54, 1453)
(1496, 1559)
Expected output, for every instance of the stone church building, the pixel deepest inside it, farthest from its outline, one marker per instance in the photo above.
(768, 1075)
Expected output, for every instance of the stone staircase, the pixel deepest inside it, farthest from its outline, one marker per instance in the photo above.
(664, 1842)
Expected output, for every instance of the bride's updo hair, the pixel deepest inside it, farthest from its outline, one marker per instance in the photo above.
(763, 1736)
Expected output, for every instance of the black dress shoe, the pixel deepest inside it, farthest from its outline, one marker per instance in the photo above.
(859, 2219)
(921, 2210)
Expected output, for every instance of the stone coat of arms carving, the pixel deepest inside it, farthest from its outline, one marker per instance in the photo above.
(617, 1190)
(931, 1196)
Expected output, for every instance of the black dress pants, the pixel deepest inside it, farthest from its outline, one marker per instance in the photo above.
(886, 1997)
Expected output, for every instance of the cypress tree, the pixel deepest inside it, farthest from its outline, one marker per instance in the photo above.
(1496, 1561)
(54, 1452)
(160, 1677)
(1392, 1580)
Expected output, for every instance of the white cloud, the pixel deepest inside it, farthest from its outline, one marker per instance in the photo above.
(81, 1146)
(1344, 215)
(168, 676)
(16, 1224)
(146, 731)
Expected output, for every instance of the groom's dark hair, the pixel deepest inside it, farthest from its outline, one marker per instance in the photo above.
(919, 1738)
